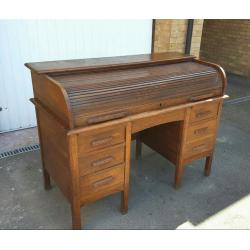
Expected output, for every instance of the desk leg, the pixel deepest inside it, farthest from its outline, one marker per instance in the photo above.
(180, 163)
(46, 179)
(208, 165)
(75, 185)
(76, 216)
(138, 149)
(125, 192)
(124, 201)
(178, 174)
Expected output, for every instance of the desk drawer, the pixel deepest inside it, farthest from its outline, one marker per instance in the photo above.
(198, 147)
(201, 130)
(98, 139)
(101, 159)
(102, 183)
(204, 111)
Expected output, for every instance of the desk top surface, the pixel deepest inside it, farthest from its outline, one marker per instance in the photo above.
(106, 62)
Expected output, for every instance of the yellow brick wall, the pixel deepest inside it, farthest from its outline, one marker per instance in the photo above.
(170, 35)
(196, 37)
(227, 42)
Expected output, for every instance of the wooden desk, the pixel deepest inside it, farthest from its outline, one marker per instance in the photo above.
(92, 161)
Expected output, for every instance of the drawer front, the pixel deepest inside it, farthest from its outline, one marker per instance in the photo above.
(201, 130)
(90, 141)
(204, 111)
(198, 147)
(102, 183)
(101, 159)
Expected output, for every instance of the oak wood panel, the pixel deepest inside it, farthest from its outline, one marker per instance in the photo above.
(197, 147)
(191, 158)
(53, 97)
(102, 183)
(97, 64)
(101, 159)
(201, 130)
(164, 139)
(204, 111)
(157, 119)
(100, 138)
(55, 152)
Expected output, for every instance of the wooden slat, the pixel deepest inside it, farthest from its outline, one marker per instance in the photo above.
(132, 91)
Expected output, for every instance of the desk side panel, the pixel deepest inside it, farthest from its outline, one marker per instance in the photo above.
(53, 97)
(54, 151)
(164, 139)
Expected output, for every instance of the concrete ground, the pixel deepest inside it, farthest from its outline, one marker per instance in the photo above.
(219, 201)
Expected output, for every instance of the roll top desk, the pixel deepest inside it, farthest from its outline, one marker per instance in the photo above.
(89, 110)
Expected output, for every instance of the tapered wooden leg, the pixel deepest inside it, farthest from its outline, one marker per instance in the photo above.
(76, 216)
(178, 175)
(138, 149)
(46, 180)
(208, 165)
(124, 201)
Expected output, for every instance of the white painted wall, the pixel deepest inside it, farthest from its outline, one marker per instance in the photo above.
(43, 40)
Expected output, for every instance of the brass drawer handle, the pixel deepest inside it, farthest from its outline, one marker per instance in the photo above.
(103, 181)
(201, 131)
(102, 141)
(204, 113)
(199, 147)
(102, 161)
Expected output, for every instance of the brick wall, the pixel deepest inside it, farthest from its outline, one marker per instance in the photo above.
(196, 37)
(227, 42)
(170, 35)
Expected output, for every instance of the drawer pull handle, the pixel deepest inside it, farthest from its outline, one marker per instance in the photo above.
(201, 97)
(199, 147)
(102, 141)
(102, 161)
(103, 181)
(203, 113)
(106, 117)
(201, 131)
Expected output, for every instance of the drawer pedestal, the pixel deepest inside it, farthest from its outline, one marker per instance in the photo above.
(184, 141)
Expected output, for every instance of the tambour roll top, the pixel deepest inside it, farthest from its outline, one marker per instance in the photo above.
(85, 92)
